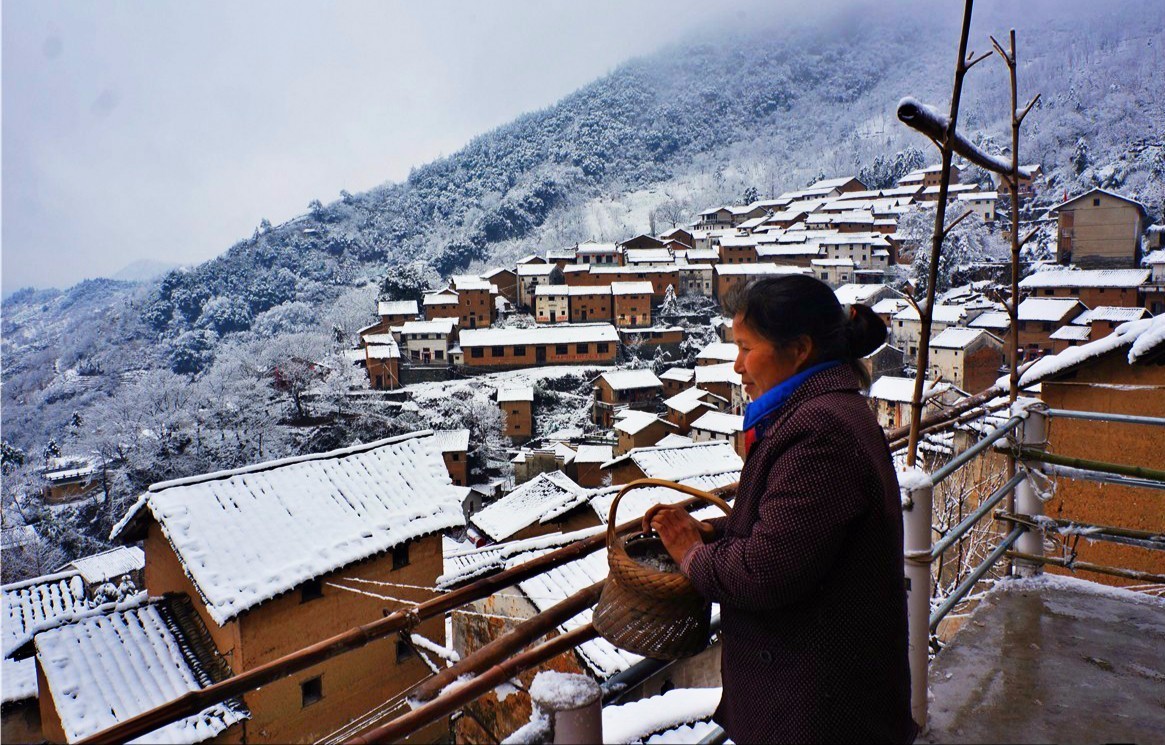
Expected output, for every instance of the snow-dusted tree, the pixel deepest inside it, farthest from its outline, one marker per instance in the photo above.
(192, 351)
(670, 305)
(409, 281)
(225, 315)
(283, 319)
(970, 241)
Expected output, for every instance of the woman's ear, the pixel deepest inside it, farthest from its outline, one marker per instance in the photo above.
(802, 350)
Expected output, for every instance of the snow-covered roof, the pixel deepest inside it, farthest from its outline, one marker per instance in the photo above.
(382, 351)
(680, 374)
(551, 291)
(889, 305)
(436, 326)
(515, 393)
(992, 319)
(471, 282)
(570, 333)
(18, 680)
(843, 262)
(108, 565)
(384, 339)
(1155, 257)
(1111, 314)
(901, 390)
(1106, 192)
(850, 293)
(397, 308)
(684, 462)
(577, 290)
(545, 495)
(673, 440)
(1045, 308)
(628, 380)
(647, 256)
(40, 603)
(722, 373)
(678, 716)
(466, 562)
(451, 440)
(854, 239)
(942, 314)
(718, 350)
(1085, 278)
(758, 270)
(109, 668)
(645, 270)
(691, 399)
(495, 272)
(1071, 333)
(631, 288)
(1142, 337)
(247, 535)
(633, 421)
(17, 536)
(702, 254)
(636, 502)
(591, 247)
(535, 270)
(594, 454)
(441, 297)
(719, 422)
(957, 337)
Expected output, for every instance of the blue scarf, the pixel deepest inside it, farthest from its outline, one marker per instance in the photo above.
(761, 409)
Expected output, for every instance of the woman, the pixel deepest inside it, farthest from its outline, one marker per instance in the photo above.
(808, 568)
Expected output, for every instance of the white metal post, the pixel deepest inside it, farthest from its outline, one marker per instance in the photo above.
(1033, 435)
(916, 531)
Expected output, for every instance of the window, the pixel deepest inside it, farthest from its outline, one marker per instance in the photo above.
(520, 350)
(582, 348)
(400, 556)
(404, 651)
(1096, 202)
(499, 351)
(476, 352)
(438, 354)
(456, 456)
(560, 349)
(313, 589)
(603, 348)
(311, 691)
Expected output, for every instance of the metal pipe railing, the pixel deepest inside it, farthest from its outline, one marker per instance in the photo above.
(1104, 416)
(965, 586)
(969, 454)
(957, 532)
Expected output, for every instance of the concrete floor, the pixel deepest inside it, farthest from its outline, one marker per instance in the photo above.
(1053, 660)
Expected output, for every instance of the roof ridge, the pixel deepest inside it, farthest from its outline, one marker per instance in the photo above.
(281, 462)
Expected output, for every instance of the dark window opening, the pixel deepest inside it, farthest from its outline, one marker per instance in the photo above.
(311, 691)
(499, 351)
(520, 350)
(560, 349)
(313, 589)
(582, 348)
(400, 556)
(476, 352)
(404, 651)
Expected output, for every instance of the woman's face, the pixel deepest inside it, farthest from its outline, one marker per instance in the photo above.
(763, 365)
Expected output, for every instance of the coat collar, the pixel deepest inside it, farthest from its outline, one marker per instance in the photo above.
(834, 379)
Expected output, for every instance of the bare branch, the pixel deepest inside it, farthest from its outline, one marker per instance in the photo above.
(1029, 236)
(1028, 108)
(998, 48)
(947, 230)
(977, 60)
(913, 113)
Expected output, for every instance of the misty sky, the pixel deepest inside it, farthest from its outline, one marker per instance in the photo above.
(166, 130)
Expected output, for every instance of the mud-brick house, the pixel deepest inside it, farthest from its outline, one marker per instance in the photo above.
(1099, 229)
(396, 312)
(109, 567)
(589, 304)
(441, 304)
(617, 390)
(676, 463)
(722, 380)
(650, 338)
(1030, 175)
(1093, 287)
(552, 303)
(428, 342)
(517, 405)
(722, 427)
(600, 254)
(1103, 320)
(547, 503)
(885, 360)
(631, 303)
(277, 556)
(648, 257)
(382, 360)
(109, 667)
(716, 353)
(70, 478)
(506, 280)
(1039, 317)
(635, 429)
(1071, 335)
(475, 306)
(660, 277)
(736, 249)
(511, 348)
(588, 462)
(1122, 373)
(695, 277)
(689, 405)
(890, 398)
(676, 379)
(1153, 291)
(553, 456)
(725, 277)
(530, 276)
(969, 358)
(906, 325)
(454, 447)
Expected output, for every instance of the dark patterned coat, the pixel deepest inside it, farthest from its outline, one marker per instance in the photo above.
(808, 573)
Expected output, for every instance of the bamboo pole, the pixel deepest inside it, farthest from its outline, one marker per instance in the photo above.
(404, 725)
(1119, 469)
(521, 635)
(1085, 566)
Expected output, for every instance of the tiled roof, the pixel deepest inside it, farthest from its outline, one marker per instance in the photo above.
(545, 495)
(396, 308)
(627, 380)
(564, 334)
(109, 565)
(1045, 308)
(40, 603)
(1085, 278)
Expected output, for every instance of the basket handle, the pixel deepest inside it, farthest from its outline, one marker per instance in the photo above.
(689, 490)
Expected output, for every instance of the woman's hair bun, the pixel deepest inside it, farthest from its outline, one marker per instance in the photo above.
(865, 330)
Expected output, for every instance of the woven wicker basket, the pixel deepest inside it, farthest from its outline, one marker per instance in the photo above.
(648, 611)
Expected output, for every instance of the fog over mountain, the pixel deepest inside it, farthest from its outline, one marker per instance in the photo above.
(767, 106)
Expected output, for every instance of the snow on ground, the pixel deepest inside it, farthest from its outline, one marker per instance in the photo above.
(421, 392)
(638, 720)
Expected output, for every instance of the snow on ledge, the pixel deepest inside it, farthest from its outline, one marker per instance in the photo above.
(638, 720)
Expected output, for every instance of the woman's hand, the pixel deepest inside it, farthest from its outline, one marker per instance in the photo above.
(678, 530)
